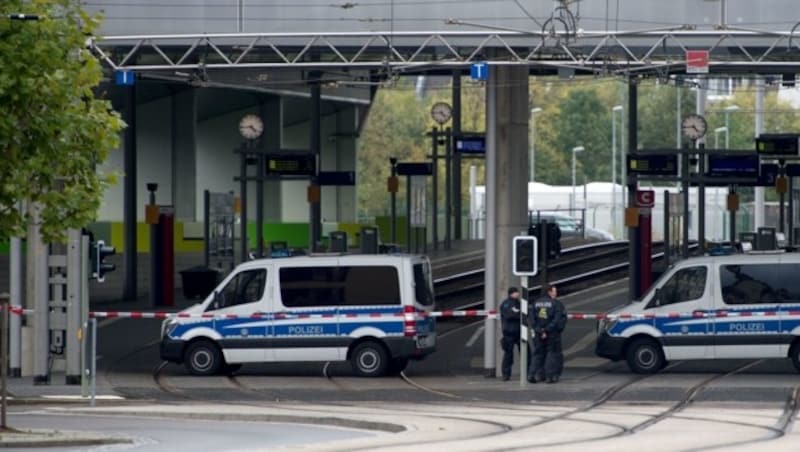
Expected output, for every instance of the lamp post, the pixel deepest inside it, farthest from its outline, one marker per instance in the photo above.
(617, 108)
(575, 151)
(533, 142)
(728, 110)
(717, 131)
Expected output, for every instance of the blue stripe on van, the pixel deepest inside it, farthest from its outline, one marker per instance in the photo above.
(391, 325)
(689, 325)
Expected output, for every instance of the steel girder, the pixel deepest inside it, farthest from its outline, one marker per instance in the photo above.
(731, 51)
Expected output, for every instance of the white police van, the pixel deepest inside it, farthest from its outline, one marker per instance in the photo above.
(368, 309)
(738, 306)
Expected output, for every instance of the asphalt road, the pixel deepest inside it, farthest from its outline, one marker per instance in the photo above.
(176, 435)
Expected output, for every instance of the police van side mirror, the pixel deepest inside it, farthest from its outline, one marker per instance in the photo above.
(215, 303)
(657, 297)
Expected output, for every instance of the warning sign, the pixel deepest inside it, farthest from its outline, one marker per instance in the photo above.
(697, 61)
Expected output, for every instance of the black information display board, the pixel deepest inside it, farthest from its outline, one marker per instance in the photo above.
(414, 169)
(338, 178)
(652, 165)
(779, 144)
(291, 164)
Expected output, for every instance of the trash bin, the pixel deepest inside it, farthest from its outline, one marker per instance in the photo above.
(199, 281)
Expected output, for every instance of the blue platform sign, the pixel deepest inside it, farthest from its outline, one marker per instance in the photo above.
(733, 165)
(471, 144)
(479, 71)
(125, 78)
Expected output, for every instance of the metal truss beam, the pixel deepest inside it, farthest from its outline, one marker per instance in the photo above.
(731, 50)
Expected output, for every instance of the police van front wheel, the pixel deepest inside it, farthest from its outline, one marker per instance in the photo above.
(369, 359)
(203, 358)
(645, 356)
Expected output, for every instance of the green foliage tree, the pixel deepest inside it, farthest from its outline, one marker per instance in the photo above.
(53, 129)
(574, 113)
(658, 112)
(396, 128)
(583, 120)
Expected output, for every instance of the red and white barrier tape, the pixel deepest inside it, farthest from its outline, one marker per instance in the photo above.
(18, 310)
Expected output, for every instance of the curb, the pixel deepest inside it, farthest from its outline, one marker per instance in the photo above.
(55, 438)
(277, 418)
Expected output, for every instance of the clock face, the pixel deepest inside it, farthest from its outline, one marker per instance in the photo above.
(251, 127)
(441, 112)
(694, 126)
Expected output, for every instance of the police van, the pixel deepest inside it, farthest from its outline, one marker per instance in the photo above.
(366, 309)
(737, 306)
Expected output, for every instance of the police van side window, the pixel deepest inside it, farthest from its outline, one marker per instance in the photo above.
(304, 287)
(370, 285)
(245, 287)
(423, 289)
(686, 284)
(760, 283)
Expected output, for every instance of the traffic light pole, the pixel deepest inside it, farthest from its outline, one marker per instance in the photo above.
(524, 331)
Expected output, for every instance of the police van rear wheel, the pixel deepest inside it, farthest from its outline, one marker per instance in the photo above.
(645, 356)
(203, 358)
(795, 355)
(369, 359)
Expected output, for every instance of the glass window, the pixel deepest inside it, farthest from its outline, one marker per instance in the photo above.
(760, 283)
(686, 284)
(303, 287)
(370, 286)
(423, 288)
(246, 287)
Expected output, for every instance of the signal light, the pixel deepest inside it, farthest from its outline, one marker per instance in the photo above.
(525, 255)
(97, 254)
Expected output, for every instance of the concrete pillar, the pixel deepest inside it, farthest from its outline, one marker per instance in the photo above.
(506, 172)
(184, 154)
(38, 298)
(272, 115)
(346, 130)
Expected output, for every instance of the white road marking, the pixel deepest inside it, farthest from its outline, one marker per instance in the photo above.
(477, 334)
(581, 344)
(105, 322)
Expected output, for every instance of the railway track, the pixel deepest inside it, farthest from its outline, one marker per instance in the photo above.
(578, 268)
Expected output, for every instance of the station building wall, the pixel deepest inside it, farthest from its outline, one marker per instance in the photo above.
(214, 166)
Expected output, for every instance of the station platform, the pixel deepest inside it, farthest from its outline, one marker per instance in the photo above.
(463, 255)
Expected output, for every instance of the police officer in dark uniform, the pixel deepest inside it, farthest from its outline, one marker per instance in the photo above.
(510, 317)
(548, 318)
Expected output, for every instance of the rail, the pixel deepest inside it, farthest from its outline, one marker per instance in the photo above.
(570, 281)
(567, 251)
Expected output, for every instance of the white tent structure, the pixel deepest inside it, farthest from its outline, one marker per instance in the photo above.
(596, 201)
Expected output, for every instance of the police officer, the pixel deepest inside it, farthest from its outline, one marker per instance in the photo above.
(509, 314)
(548, 318)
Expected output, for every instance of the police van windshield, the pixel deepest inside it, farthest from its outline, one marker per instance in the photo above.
(423, 287)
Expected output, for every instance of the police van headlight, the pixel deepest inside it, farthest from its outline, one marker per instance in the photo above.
(605, 325)
(168, 326)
